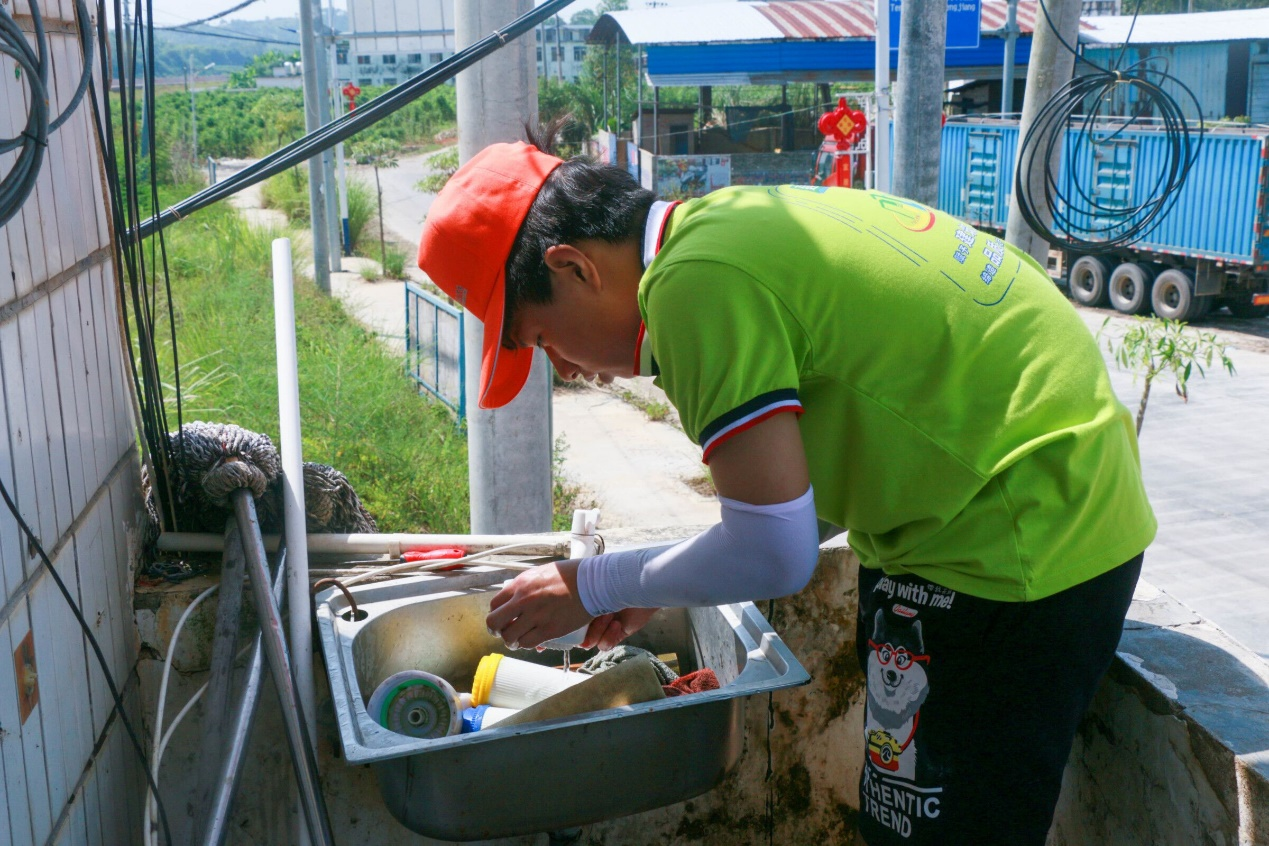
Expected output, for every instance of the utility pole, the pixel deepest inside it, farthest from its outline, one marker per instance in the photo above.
(193, 110)
(918, 115)
(559, 44)
(508, 449)
(314, 94)
(1011, 41)
(329, 192)
(1048, 69)
(881, 81)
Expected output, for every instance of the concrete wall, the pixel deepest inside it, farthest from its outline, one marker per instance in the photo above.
(68, 455)
(1173, 751)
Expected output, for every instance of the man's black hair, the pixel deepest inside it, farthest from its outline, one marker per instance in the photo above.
(580, 200)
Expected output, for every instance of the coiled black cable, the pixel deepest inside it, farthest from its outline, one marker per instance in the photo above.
(32, 61)
(1078, 120)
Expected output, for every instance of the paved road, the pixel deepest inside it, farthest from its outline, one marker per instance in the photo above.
(1206, 464)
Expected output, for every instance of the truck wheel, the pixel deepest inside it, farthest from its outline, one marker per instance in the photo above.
(1173, 295)
(1088, 281)
(1243, 309)
(1129, 288)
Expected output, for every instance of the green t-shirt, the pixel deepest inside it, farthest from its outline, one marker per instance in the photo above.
(957, 416)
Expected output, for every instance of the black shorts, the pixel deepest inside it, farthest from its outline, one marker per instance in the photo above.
(973, 704)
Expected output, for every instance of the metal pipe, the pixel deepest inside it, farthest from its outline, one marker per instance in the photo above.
(1011, 41)
(881, 80)
(216, 706)
(226, 785)
(303, 758)
(553, 543)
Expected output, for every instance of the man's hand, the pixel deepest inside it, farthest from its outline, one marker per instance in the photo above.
(608, 630)
(537, 605)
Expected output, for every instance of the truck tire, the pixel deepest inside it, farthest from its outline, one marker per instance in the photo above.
(1129, 288)
(1088, 281)
(1173, 295)
(1244, 310)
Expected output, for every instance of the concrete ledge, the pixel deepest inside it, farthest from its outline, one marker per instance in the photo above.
(1175, 749)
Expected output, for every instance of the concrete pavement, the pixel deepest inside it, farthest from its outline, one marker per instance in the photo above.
(1206, 465)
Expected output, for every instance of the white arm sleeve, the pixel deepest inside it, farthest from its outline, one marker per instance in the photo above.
(756, 552)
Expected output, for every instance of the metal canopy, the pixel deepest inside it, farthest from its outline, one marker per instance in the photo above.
(765, 43)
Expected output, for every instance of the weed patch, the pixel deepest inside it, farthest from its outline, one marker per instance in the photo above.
(404, 455)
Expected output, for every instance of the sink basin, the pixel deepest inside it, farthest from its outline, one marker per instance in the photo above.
(552, 775)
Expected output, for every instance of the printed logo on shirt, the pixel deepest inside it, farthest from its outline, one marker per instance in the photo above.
(897, 688)
(913, 217)
(915, 593)
(904, 611)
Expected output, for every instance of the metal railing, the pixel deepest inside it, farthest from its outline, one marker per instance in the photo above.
(435, 354)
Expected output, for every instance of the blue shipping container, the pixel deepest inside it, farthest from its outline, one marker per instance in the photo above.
(1220, 214)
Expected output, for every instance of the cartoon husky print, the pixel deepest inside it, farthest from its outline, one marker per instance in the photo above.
(897, 687)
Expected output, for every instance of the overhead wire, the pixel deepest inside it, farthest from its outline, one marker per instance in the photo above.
(214, 17)
(349, 124)
(1078, 120)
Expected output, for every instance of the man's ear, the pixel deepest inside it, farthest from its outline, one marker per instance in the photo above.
(567, 262)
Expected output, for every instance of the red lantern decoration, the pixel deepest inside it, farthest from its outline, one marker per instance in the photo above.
(844, 124)
(350, 93)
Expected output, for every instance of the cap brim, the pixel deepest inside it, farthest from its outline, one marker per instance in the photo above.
(503, 371)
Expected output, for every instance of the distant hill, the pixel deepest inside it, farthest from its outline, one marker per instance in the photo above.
(230, 44)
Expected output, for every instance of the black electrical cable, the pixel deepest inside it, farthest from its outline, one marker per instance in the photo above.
(34, 543)
(32, 62)
(1077, 119)
(349, 124)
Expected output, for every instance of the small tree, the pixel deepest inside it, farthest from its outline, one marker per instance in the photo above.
(444, 164)
(378, 152)
(1153, 346)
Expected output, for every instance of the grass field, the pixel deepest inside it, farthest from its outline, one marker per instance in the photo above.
(404, 456)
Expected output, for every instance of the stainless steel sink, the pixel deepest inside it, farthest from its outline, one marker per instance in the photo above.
(552, 775)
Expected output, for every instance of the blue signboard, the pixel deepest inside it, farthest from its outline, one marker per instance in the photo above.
(963, 23)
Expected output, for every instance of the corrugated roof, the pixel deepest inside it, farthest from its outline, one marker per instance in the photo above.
(778, 20)
(1237, 25)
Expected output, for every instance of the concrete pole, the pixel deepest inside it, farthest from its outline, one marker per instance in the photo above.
(508, 450)
(919, 90)
(1011, 41)
(1048, 69)
(314, 60)
(329, 192)
(881, 81)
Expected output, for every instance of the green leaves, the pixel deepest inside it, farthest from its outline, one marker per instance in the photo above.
(1153, 346)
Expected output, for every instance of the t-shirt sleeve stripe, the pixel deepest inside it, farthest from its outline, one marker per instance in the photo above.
(748, 415)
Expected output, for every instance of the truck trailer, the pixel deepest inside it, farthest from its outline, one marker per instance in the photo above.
(1209, 249)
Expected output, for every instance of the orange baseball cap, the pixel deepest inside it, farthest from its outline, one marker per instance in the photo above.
(466, 240)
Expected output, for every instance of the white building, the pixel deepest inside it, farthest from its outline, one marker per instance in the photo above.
(390, 41)
(561, 50)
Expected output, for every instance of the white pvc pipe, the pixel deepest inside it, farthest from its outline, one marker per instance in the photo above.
(373, 544)
(297, 590)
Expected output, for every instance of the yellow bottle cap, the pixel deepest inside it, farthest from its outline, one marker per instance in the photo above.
(483, 683)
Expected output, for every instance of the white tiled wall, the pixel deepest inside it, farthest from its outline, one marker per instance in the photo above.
(68, 456)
